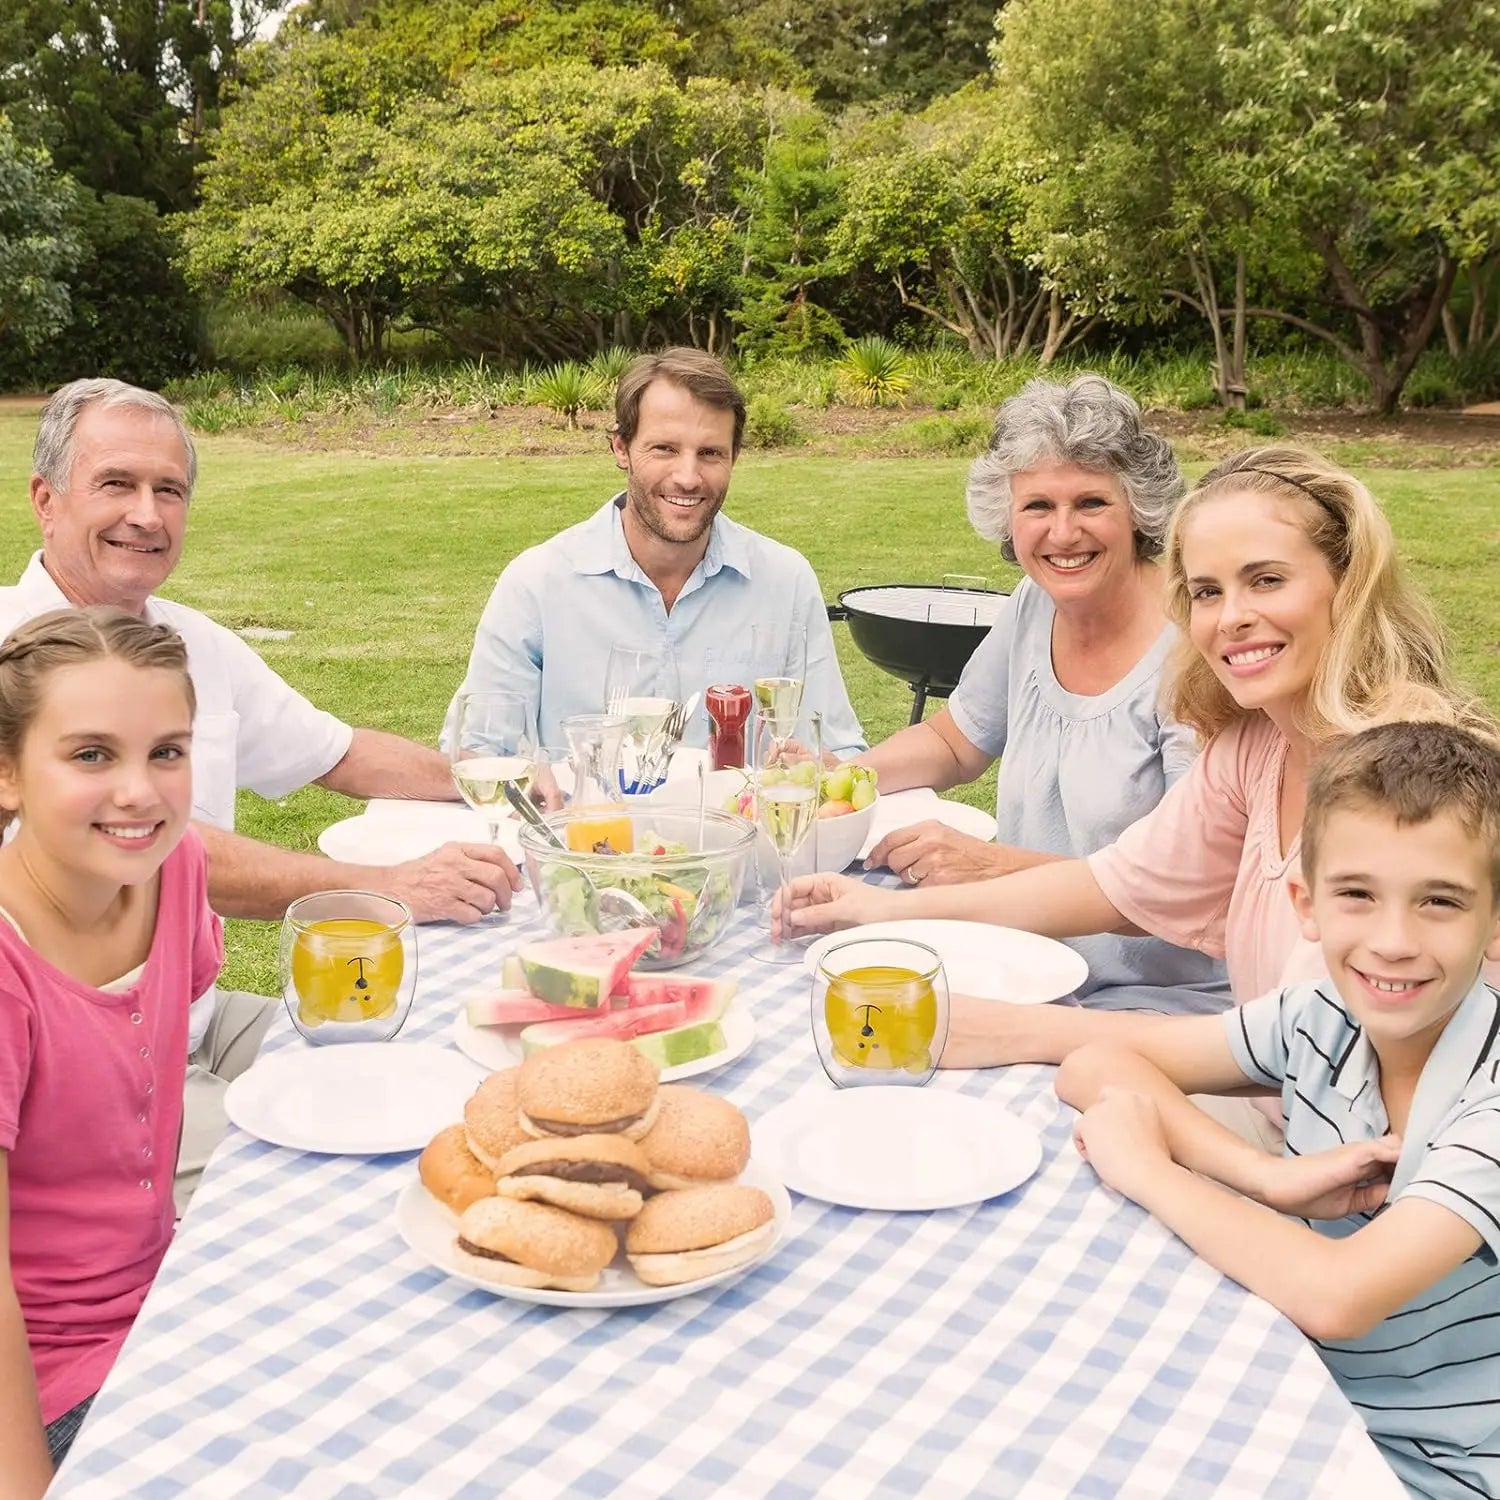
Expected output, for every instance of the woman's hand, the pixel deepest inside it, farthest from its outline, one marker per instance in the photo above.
(827, 903)
(931, 853)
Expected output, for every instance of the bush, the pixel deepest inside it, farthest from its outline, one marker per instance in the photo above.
(133, 317)
(961, 436)
(1261, 423)
(567, 388)
(768, 424)
(876, 371)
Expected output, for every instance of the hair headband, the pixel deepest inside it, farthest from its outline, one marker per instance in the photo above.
(1285, 479)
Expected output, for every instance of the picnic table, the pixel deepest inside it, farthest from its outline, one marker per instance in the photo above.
(1054, 1341)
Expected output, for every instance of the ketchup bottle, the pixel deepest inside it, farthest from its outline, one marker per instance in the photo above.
(728, 707)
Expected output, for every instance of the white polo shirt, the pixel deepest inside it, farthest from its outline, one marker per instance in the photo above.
(1427, 1379)
(251, 729)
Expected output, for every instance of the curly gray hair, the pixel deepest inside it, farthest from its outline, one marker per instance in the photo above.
(52, 457)
(1090, 422)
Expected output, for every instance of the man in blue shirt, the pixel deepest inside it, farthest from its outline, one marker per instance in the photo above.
(659, 566)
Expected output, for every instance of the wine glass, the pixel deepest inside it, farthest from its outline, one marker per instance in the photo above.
(491, 749)
(879, 1011)
(348, 963)
(641, 686)
(788, 783)
(778, 652)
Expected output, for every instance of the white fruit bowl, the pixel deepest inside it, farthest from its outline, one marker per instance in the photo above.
(833, 845)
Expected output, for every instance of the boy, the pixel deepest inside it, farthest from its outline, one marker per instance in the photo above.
(1389, 1076)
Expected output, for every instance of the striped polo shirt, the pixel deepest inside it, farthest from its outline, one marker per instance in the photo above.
(1427, 1380)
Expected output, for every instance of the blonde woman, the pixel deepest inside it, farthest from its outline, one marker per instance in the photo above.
(1296, 627)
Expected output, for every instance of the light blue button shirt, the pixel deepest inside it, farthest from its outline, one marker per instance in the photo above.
(557, 609)
(1427, 1380)
(1075, 772)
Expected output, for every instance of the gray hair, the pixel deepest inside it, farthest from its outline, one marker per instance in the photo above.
(1090, 422)
(52, 457)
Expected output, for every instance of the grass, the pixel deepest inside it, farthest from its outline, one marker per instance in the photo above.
(379, 566)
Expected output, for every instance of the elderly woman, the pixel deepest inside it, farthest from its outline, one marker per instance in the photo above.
(1066, 686)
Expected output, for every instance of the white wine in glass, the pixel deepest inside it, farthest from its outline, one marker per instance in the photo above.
(787, 787)
(492, 749)
(779, 653)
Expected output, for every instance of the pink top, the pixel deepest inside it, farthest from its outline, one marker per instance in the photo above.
(1204, 868)
(90, 1111)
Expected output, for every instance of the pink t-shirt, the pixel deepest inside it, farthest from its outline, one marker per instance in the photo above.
(1204, 868)
(90, 1111)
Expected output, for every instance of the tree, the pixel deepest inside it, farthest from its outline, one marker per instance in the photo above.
(1134, 189)
(37, 246)
(934, 202)
(792, 212)
(550, 212)
(1380, 126)
(122, 89)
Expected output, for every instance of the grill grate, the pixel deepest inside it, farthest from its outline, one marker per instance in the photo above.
(927, 603)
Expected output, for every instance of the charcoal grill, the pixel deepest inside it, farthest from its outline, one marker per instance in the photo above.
(923, 633)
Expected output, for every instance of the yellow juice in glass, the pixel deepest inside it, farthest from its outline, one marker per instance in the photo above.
(882, 1017)
(346, 969)
(601, 825)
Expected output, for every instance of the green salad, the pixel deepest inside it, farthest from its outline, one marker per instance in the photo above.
(688, 902)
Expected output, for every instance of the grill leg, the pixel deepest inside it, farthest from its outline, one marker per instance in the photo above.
(919, 700)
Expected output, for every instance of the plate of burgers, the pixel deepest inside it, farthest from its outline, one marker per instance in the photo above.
(579, 1180)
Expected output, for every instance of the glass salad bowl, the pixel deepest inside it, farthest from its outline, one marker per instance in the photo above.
(653, 853)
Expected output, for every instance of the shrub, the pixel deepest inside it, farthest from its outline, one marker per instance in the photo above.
(566, 388)
(876, 371)
(610, 364)
(132, 318)
(1261, 423)
(953, 435)
(768, 424)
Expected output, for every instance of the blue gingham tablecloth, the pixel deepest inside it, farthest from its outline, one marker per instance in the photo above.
(1052, 1342)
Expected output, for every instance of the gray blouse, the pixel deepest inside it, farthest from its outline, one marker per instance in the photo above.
(1074, 772)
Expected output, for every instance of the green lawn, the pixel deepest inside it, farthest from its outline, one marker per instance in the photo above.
(380, 566)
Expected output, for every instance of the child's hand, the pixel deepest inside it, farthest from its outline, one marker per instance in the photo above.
(1332, 1184)
(1121, 1137)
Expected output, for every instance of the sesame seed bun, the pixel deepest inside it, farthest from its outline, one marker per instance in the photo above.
(492, 1117)
(593, 1086)
(452, 1173)
(697, 1139)
(533, 1245)
(690, 1233)
(599, 1176)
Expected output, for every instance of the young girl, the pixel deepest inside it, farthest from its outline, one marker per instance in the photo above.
(1295, 626)
(105, 937)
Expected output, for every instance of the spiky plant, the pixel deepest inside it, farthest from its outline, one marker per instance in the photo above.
(566, 388)
(876, 371)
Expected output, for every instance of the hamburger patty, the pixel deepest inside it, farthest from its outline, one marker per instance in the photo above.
(588, 1171)
(484, 1254)
(603, 1127)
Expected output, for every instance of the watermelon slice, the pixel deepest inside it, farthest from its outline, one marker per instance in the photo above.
(513, 1007)
(703, 999)
(583, 972)
(623, 1025)
(668, 1047)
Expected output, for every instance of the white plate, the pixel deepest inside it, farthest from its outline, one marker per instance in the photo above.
(496, 1047)
(991, 963)
(352, 1098)
(888, 1147)
(430, 1232)
(921, 805)
(380, 839)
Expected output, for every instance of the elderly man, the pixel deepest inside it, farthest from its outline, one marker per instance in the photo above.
(113, 472)
(658, 564)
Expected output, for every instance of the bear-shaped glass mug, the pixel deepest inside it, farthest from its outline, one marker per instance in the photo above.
(879, 1011)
